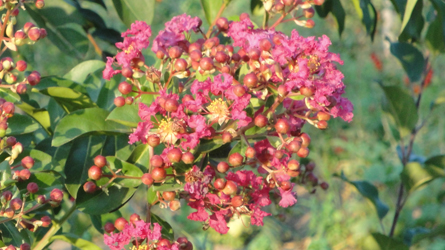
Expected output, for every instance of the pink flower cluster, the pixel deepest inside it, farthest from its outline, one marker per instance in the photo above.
(285, 83)
(140, 232)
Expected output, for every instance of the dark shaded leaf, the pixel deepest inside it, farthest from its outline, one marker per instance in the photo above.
(256, 7)
(130, 11)
(126, 115)
(110, 35)
(127, 169)
(21, 124)
(99, 202)
(85, 121)
(76, 241)
(369, 191)
(80, 160)
(414, 27)
(410, 58)
(401, 107)
(211, 8)
(387, 243)
(167, 230)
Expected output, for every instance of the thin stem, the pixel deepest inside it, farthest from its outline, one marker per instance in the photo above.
(95, 45)
(120, 176)
(223, 6)
(54, 228)
(265, 19)
(282, 16)
(405, 159)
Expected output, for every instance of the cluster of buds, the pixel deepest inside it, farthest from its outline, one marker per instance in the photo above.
(24, 246)
(10, 73)
(296, 8)
(28, 35)
(6, 111)
(14, 208)
(255, 94)
(141, 234)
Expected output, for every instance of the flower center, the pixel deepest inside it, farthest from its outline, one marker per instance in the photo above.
(168, 130)
(313, 63)
(219, 110)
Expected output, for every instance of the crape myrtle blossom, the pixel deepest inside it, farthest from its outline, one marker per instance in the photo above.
(139, 231)
(226, 122)
(135, 39)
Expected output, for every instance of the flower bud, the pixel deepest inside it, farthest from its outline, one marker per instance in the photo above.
(236, 159)
(119, 101)
(40, 4)
(120, 223)
(32, 187)
(89, 187)
(188, 158)
(147, 179)
(56, 195)
(222, 167)
(159, 174)
(34, 34)
(174, 205)
(16, 204)
(109, 227)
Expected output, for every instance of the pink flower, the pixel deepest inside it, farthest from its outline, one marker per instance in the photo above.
(183, 23)
(141, 133)
(166, 39)
(109, 71)
(257, 215)
(287, 197)
(140, 230)
(218, 222)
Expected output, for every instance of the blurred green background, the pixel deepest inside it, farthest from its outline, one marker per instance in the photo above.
(365, 149)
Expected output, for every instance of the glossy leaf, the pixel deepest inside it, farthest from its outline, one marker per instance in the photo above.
(39, 115)
(65, 31)
(211, 8)
(152, 196)
(21, 124)
(368, 14)
(127, 169)
(206, 146)
(387, 243)
(401, 107)
(409, 8)
(100, 202)
(257, 7)
(11, 234)
(54, 81)
(85, 121)
(81, 71)
(69, 99)
(414, 175)
(336, 8)
(369, 191)
(167, 230)
(47, 182)
(130, 11)
(80, 160)
(413, 28)
(126, 115)
(410, 58)
(140, 157)
(76, 241)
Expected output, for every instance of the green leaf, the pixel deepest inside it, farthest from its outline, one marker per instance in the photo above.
(54, 81)
(63, 24)
(211, 8)
(39, 115)
(240, 147)
(81, 71)
(339, 14)
(69, 99)
(206, 146)
(387, 243)
(11, 235)
(367, 13)
(257, 7)
(274, 141)
(369, 191)
(414, 26)
(130, 11)
(80, 159)
(171, 186)
(21, 124)
(127, 169)
(167, 230)
(436, 32)
(140, 157)
(85, 121)
(46, 181)
(410, 58)
(152, 196)
(99, 202)
(401, 107)
(76, 241)
(100, 220)
(126, 115)
(414, 175)
(410, 4)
